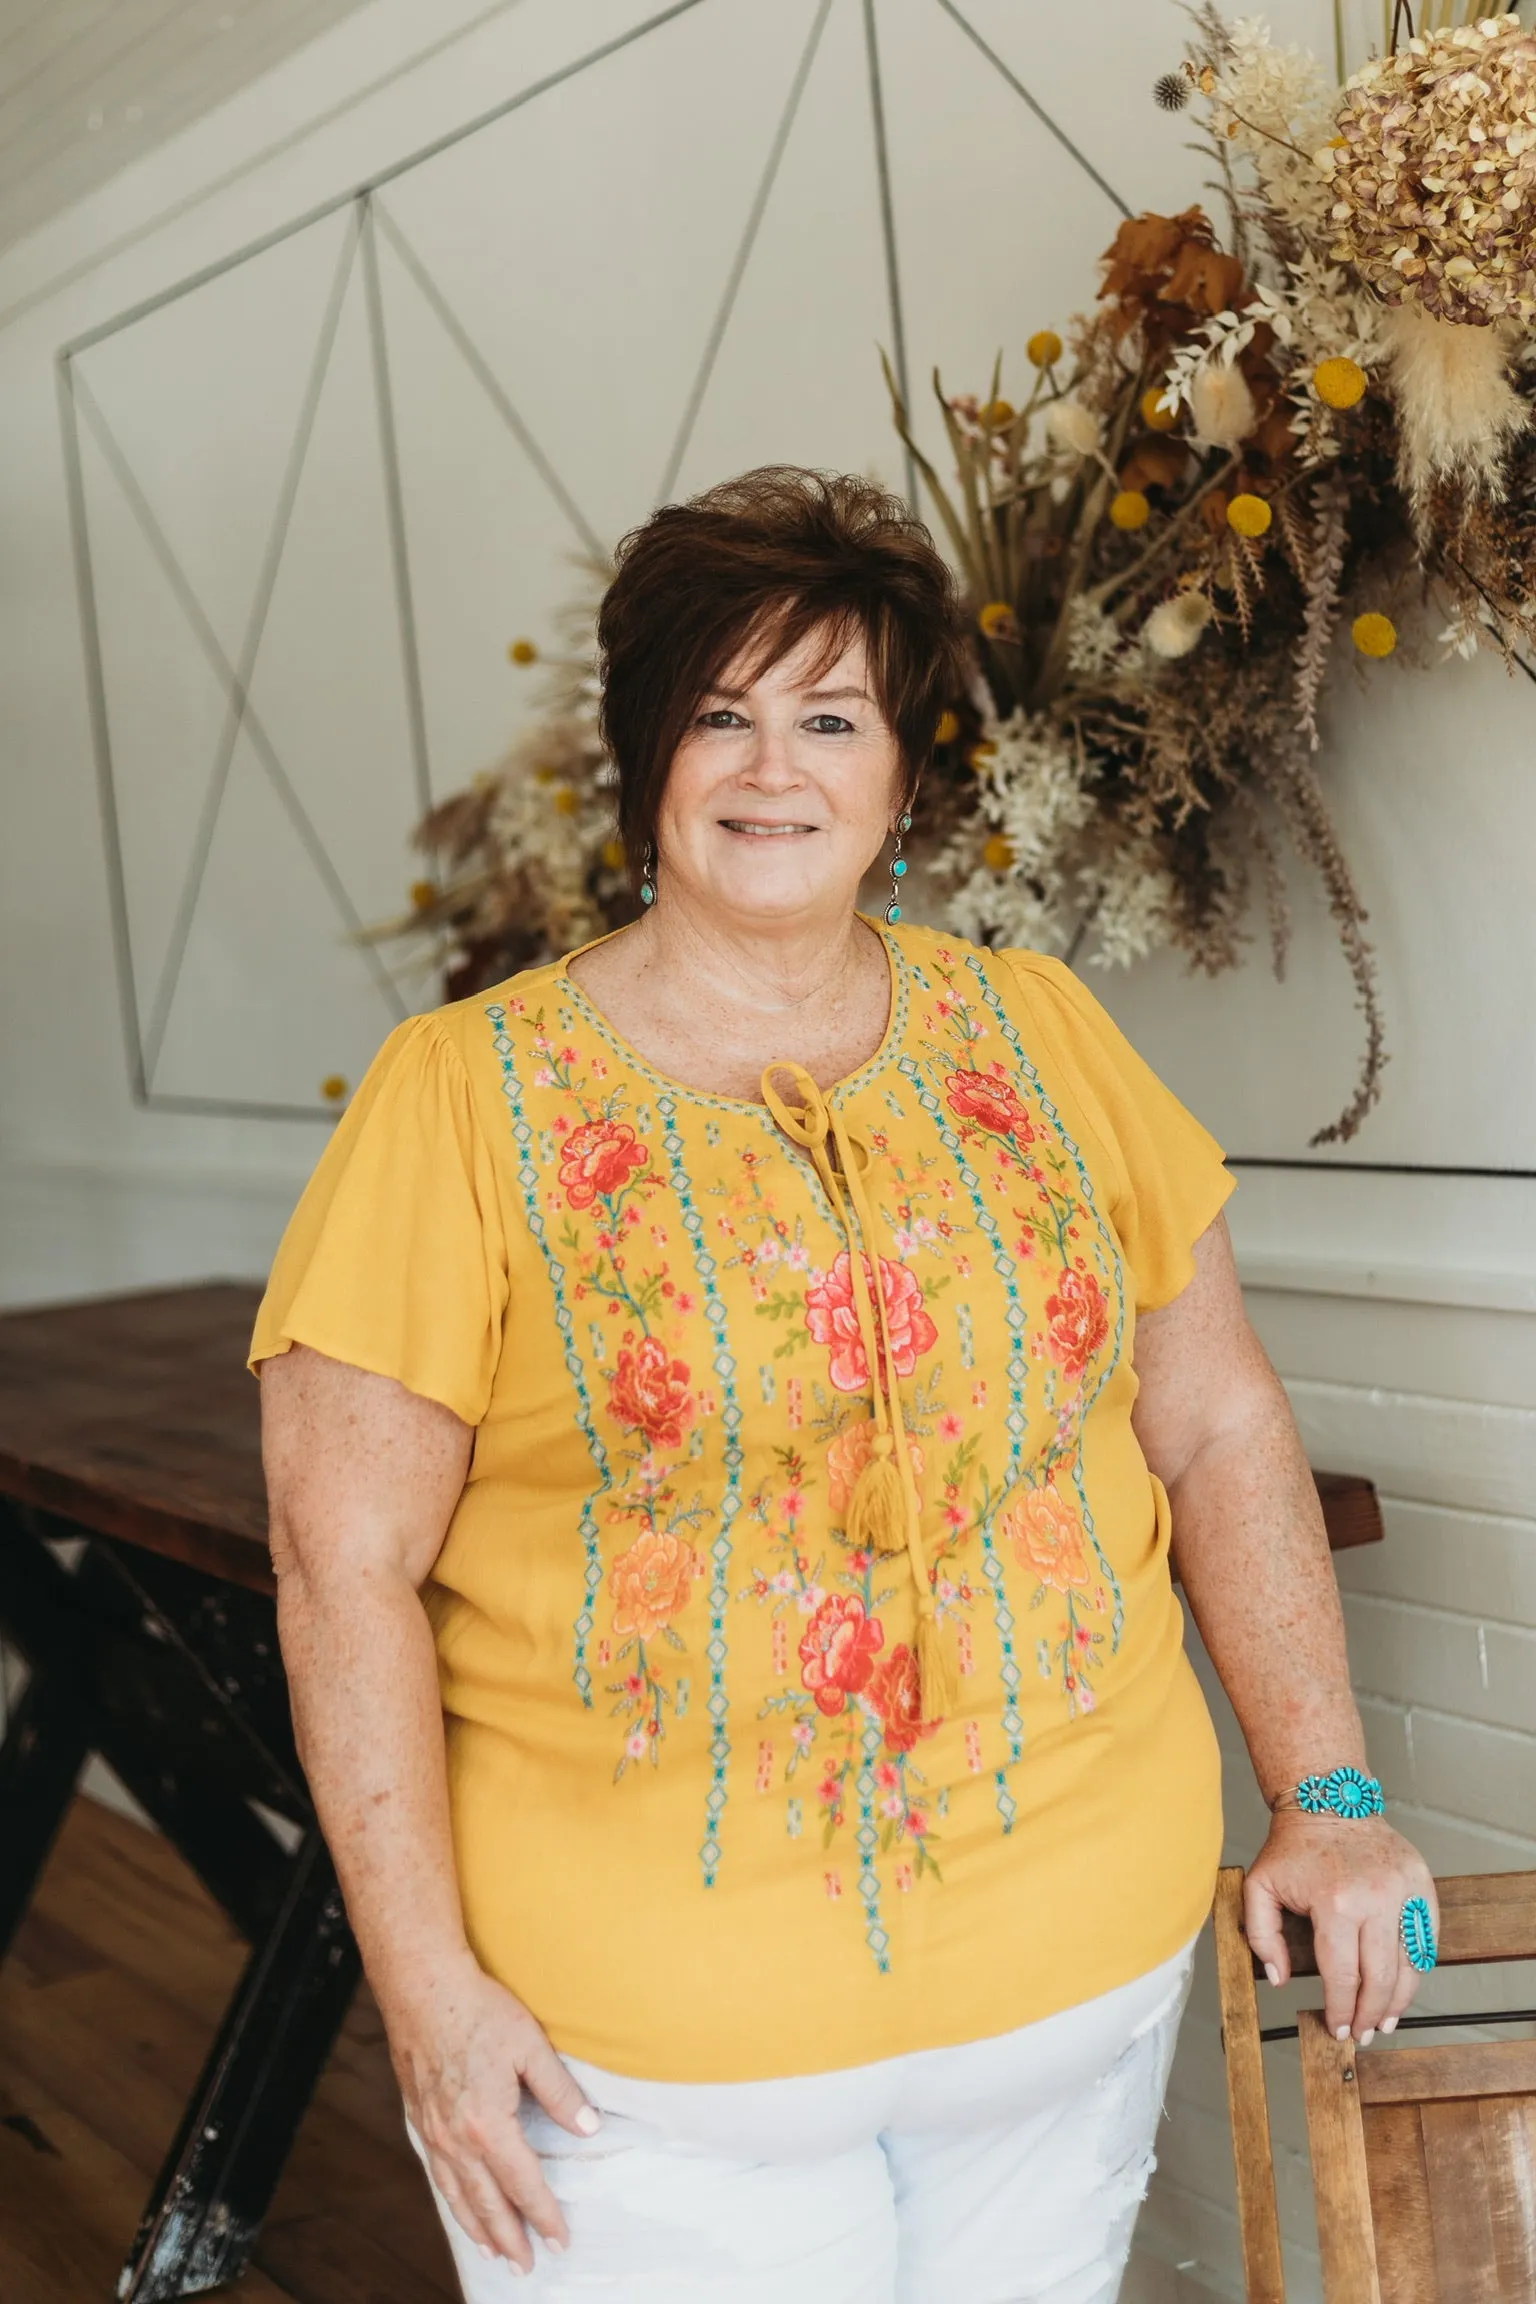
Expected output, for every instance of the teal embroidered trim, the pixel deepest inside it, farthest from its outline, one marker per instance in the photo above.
(528, 1178)
(1049, 1111)
(876, 1935)
(730, 1503)
(633, 1061)
(1016, 1420)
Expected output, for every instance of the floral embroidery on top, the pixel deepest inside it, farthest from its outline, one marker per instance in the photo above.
(675, 1228)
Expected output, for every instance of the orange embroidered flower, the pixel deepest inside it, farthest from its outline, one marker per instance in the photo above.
(982, 1096)
(597, 1157)
(847, 1457)
(838, 1650)
(832, 1319)
(650, 1393)
(1079, 1320)
(650, 1583)
(896, 1691)
(1046, 1533)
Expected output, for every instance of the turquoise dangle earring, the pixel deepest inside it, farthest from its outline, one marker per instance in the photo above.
(647, 878)
(898, 873)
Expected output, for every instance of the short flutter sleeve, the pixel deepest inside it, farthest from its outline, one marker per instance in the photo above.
(1170, 1180)
(395, 1258)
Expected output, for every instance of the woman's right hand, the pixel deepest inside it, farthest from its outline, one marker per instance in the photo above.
(463, 2055)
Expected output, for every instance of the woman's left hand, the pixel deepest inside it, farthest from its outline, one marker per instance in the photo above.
(1351, 1878)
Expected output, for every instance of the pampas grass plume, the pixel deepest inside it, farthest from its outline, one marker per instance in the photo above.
(1070, 425)
(1222, 406)
(1174, 626)
(1457, 411)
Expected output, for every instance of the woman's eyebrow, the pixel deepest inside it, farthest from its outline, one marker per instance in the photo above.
(834, 695)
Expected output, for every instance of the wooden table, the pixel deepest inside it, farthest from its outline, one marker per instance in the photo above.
(134, 1579)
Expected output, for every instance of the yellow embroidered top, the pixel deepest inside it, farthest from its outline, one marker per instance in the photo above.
(813, 1679)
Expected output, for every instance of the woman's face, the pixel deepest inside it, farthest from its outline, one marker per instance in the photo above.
(782, 792)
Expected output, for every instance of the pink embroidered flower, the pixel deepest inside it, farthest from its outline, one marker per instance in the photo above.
(650, 1394)
(597, 1157)
(1079, 1320)
(838, 1650)
(896, 1692)
(983, 1096)
(833, 1320)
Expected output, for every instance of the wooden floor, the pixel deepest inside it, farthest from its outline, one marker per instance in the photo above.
(107, 2005)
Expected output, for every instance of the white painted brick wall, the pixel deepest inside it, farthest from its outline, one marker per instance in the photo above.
(1437, 1403)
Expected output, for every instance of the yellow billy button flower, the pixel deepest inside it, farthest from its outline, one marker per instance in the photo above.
(1249, 515)
(1339, 383)
(334, 1088)
(423, 894)
(613, 855)
(997, 413)
(523, 652)
(948, 728)
(998, 853)
(1374, 634)
(979, 754)
(1154, 415)
(1044, 348)
(1130, 509)
(567, 802)
(998, 622)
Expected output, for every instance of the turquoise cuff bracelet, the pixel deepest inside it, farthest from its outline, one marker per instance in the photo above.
(1341, 1792)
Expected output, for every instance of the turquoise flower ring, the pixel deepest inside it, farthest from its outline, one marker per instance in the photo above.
(1341, 1792)
(1418, 1932)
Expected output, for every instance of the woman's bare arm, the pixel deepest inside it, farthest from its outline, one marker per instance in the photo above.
(1251, 1550)
(363, 1477)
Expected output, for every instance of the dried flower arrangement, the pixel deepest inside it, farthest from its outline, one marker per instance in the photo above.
(1325, 417)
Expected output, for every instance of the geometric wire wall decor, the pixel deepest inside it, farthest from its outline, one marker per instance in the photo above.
(159, 962)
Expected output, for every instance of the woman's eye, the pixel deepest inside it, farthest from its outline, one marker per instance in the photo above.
(721, 719)
(831, 724)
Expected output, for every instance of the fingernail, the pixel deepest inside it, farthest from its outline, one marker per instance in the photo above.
(488, 2253)
(1271, 1971)
(518, 2271)
(1368, 2035)
(555, 2247)
(587, 2121)
(1342, 2032)
(1389, 2023)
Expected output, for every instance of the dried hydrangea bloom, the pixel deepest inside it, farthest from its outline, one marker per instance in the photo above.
(1434, 173)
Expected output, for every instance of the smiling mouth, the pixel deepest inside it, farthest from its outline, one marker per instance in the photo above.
(763, 831)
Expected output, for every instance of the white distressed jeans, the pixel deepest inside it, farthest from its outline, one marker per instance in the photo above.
(1006, 2171)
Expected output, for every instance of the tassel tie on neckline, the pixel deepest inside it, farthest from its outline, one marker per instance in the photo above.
(883, 1513)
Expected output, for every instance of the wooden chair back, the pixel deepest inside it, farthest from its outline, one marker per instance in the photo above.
(1423, 2159)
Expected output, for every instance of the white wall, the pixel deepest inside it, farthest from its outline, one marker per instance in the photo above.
(587, 243)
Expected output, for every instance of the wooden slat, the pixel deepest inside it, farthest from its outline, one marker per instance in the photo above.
(1460, 2206)
(1462, 2068)
(1336, 2134)
(1258, 2213)
(1405, 2234)
(1483, 1916)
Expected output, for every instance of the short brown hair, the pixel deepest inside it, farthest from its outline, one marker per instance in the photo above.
(779, 553)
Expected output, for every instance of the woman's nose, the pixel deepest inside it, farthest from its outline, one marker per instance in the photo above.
(772, 766)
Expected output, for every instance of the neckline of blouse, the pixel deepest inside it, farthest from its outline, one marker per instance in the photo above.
(851, 1082)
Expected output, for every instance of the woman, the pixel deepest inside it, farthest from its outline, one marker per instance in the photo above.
(724, 1396)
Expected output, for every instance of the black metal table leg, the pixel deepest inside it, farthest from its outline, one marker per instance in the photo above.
(44, 1750)
(220, 2174)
